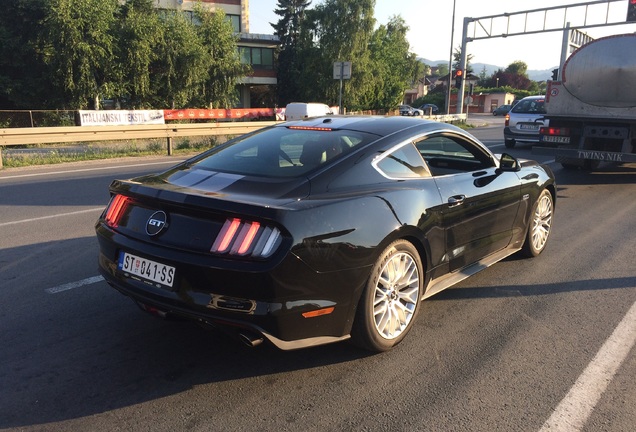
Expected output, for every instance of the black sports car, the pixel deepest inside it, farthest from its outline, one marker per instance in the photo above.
(321, 230)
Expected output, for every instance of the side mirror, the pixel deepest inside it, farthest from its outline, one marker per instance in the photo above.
(508, 163)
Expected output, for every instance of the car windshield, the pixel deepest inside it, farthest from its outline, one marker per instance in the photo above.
(530, 106)
(283, 151)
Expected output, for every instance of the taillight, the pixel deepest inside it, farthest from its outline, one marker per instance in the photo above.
(555, 131)
(115, 210)
(246, 238)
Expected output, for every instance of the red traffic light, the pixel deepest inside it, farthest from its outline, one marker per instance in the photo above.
(631, 11)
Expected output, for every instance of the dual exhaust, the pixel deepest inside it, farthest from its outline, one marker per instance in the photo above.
(248, 338)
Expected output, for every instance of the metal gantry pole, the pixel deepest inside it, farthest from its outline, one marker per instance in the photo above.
(450, 63)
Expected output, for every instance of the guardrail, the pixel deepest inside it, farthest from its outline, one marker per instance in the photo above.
(48, 135)
(61, 135)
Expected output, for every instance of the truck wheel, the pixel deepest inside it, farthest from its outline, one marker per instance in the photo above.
(539, 226)
(591, 165)
(510, 143)
(390, 301)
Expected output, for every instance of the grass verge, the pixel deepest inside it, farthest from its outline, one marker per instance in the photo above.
(55, 154)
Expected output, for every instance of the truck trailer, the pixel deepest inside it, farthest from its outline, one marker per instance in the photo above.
(592, 109)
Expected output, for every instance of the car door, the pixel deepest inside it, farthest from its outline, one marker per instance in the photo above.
(481, 203)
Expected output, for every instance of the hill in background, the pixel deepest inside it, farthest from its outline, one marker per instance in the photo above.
(534, 75)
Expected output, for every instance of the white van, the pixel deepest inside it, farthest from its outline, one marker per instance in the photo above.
(302, 110)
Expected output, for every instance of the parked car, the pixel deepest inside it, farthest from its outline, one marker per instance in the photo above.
(408, 110)
(302, 110)
(432, 107)
(321, 230)
(524, 120)
(501, 110)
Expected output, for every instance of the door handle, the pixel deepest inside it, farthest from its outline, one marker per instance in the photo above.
(456, 200)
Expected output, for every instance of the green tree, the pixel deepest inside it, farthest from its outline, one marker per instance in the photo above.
(79, 48)
(224, 66)
(180, 69)
(442, 69)
(141, 32)
(518, 68)
(292, 48)
(395, 68)
(24, 77)
(457, 55)
(343, 29)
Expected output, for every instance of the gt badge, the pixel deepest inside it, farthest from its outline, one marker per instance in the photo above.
(157, 222)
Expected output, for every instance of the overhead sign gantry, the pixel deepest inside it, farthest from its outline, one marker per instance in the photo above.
(568, 19)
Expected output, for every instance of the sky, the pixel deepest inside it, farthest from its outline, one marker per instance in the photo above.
(430, 24)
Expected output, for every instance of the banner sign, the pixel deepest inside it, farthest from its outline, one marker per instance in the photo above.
(206, 114)
(120, 117)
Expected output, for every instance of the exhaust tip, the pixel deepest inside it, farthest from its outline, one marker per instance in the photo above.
(250, 340)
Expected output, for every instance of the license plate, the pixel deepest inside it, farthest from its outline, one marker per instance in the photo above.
(529, 127)
(556, 139)
(145, 269)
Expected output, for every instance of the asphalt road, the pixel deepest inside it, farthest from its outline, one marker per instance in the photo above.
(526, 345)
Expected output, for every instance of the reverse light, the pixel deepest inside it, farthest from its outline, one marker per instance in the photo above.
(246, 238)
(115, 210)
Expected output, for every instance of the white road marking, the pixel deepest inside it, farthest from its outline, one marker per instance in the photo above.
(575, 408)
(110, 167)
(73, 285)
(52, 216)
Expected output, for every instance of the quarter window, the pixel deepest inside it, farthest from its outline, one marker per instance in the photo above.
(403, 163)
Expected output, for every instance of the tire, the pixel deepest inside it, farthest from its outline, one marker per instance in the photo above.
(540, 225)
(591, 165)
(391, 299)
(510, 143)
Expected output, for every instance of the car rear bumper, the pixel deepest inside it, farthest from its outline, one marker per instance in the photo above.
(532, 137)
(292, 306)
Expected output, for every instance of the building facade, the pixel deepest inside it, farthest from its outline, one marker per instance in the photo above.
(259, 88)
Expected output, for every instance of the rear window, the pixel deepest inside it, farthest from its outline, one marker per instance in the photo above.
(283, 151)
(530, 106)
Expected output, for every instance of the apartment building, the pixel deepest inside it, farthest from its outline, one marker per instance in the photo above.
(259, 88)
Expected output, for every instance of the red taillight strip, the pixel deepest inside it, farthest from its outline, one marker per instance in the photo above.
(116, 210)
(222, 242)
(246, 238)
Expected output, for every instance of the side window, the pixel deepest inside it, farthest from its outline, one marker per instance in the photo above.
(402, 163)
(446, 154)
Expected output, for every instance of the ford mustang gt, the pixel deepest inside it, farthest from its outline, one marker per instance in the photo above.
(321, 230)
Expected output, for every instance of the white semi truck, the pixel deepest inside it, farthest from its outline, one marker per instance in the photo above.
(592, 109)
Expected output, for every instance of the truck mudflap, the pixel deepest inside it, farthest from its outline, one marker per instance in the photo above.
(599, 155)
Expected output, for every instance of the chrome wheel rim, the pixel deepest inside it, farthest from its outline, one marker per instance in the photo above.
(396, 295)
(542, 222)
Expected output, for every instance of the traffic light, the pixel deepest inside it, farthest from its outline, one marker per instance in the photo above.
(459, 74)
(631, 10)
(555, 74)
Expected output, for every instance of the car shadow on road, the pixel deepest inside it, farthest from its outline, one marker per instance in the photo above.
(82, 352)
